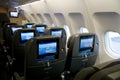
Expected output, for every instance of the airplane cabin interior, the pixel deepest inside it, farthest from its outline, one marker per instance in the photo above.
(59, 40)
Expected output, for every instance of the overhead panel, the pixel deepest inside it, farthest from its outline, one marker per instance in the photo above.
(15, 3)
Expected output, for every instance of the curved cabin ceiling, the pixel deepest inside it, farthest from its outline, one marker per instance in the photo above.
(14, 3)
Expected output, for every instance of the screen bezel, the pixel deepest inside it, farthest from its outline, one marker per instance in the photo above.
(13, 16)
(87, 48)
(24, 41)
(57, 30)
(10, 24)
(56, 55)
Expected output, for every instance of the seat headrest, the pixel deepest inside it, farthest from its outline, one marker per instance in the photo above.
(80, 42)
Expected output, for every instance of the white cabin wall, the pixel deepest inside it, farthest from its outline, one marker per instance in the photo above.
(98, 16)
(104, 15)
(39, 9)
(67, 7)
(42, 8)
(27, 12)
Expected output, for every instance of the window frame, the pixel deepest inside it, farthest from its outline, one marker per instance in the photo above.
(109, 50)
(82, 30)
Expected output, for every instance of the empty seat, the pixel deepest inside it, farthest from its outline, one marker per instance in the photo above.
(82, 52)
(10, 32)
(113, 76)
(41, 29)
(100, 75)
(59, 32)
(19, 39)
(86, 73)
(43, 60)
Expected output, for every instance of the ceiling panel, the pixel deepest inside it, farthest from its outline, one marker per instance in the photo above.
(14, 3)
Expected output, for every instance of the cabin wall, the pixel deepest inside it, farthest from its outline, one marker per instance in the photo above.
(6, 10)
(40, 11)
(3, 10)
(98, 16)
(15, 20)
(104, 15)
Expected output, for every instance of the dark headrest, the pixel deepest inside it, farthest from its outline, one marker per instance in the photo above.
(49, 29)
(74, 41)
(31, 48)
(40, 25)
(16, 26)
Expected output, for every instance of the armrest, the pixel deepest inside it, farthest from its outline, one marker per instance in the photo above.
(16, 76)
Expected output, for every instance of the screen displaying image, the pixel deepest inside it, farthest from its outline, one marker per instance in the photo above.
(15, 29)
(57, 33)
(13, 14)
(47, 48)
(86, 42)
(26, 36)
(29, 26)
(40, 29)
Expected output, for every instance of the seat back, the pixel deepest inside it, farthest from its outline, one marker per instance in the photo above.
(90, 71)
(19, 39)
(9, 24)
(43, 59)
(10, 31)
(59, 32)
(6, 26)
(113, 76)
(101, 75)
(82, 52)
(41, 29)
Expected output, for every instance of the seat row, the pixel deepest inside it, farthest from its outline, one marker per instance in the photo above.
(25, 33)
(45, 57)
(106, 71)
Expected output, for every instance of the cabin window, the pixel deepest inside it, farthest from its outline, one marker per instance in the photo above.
(84, 30)
(113, 44)
(67, 31)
